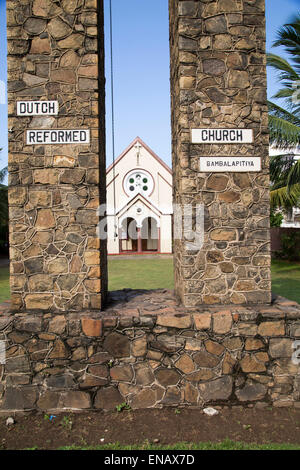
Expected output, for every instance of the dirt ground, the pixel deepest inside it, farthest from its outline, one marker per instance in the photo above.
(161, 426)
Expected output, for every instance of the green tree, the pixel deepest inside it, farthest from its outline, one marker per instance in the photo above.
(284, 121)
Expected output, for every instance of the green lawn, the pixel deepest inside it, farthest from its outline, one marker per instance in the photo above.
(4, 284)
(225, 445)
(157, 273)
(286, 279)
(140, 273)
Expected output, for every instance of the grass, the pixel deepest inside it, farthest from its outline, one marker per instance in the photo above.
(286, 279)
(157, 273)
(224, 445)
(140, 273)
(4, 284)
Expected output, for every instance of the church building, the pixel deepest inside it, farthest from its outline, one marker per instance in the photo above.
(139, 202)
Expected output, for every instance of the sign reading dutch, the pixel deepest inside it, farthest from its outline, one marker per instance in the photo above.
(222, 136)
(37, 108)
(58, 136)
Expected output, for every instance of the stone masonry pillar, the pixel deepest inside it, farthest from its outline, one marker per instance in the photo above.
(56, 177)
(218, 81)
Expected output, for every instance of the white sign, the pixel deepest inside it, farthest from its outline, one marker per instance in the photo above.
(2, 352)
(222, 136)
(58, 136)
(231, 164)
(37, 108)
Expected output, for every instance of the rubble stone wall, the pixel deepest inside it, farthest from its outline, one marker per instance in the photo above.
(56, 52)
(151, 359)
(218, 80)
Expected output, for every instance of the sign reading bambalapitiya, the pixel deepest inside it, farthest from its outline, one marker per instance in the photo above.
(58, 136)
(230, 164)
(37, 108)
(222, 136)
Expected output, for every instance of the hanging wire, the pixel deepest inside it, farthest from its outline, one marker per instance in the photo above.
(112, 114)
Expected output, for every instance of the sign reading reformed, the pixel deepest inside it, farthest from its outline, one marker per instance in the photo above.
(230, 164)
(37, 108)
(58, 136)
(222, 136)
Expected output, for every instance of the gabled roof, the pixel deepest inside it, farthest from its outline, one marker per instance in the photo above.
(134, 142)
(138, 197)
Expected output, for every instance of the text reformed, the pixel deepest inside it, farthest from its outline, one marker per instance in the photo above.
(58, 136)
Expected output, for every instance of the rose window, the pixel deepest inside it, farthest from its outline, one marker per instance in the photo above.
(138, 182)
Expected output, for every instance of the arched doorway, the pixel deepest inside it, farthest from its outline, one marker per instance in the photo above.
(150, 234)
(139, 239)
(128, 236)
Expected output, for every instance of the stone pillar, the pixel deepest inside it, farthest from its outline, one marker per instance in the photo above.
(218, 81)
(56, 53)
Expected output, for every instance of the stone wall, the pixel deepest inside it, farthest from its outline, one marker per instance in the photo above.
(56, 52)
(218, 80)
(157, 355)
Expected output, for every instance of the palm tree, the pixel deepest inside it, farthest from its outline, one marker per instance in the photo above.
(282, 195)
(284, 121)
(3, 173)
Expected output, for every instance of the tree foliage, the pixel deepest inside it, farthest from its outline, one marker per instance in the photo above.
(284, 121)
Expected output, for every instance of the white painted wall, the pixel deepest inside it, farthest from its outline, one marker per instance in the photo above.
(158, 204)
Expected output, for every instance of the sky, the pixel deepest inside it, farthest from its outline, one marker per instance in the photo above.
(141, 71)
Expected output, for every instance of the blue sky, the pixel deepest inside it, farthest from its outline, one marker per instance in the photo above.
(141, 71)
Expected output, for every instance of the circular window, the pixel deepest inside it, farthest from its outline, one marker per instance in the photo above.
(138, 182)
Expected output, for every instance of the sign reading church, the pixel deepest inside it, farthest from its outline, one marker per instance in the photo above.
(139, 202)
(222, 136)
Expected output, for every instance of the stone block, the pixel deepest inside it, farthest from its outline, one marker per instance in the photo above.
(117, 345)
(281, 348)
(144, 399)
(139, 347)
(271, 328)
(91, 327)
(205, 359)
(222, 322)
(57, 324)
(252, 344)
(185, 364)
(250, 363)
(108, 398)
(167, 377)
(39, 301)
(75, 400)
(122, 373)
(174, 321)
(215, 390)
(251, 392)
(59, 350)
(20, 398)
